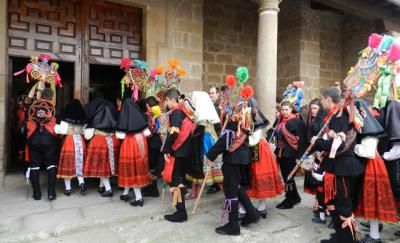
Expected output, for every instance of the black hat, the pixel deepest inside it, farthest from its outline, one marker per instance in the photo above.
(104, 118)
(130, 118)
(392, 121)
(259, 119)
(74, 113)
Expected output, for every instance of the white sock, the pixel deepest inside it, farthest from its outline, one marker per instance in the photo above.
(138, 193)
(67, 182)
(101, 183)
(322, 215)
(374, 229)
(126, 191)
(241, 209)
(106, 183)
(81, 180)
(262, 205)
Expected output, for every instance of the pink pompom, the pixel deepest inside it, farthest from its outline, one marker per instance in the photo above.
(394, 53)
(125, 63)
(374, 40)
(44, 57)
(153, 73)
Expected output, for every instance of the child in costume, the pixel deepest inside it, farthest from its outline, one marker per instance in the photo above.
(73, 148)
(103, 149)
(133, 170)
(176, 150)
(42, 143)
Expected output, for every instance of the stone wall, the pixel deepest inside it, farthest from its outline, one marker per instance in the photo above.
(229, 39)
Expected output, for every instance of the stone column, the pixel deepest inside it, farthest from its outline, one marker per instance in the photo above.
(3, 88)
(265, 88)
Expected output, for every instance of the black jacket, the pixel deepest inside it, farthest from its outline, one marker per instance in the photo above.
(296, 127)
(175, 120)
(345, 163)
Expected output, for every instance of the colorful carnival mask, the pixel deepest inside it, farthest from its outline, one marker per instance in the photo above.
(234, 101)
(136, 78)
(294, 94)
(44, 73)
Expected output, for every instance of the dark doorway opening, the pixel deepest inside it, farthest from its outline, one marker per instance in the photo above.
(105, 79)
(18, 87)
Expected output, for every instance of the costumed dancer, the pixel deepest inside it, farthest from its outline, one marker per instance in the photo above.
(133, 167)
(265, 180)
(233, 144)
(340, 165)
(42, 144)
(294, 94)
(289, 148)
(73, 148)
(176, 150)
(154, 142)
(103, 149)
(376, 202)
(313, 183)
(204, 138)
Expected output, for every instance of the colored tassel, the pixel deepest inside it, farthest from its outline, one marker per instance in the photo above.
(173, 64)
(181, 73)
(374, 40)
(394, 53)
(247, 92)
(386, 43)
(125, 63)
(141, 64)
(44, 57)
(160, 69)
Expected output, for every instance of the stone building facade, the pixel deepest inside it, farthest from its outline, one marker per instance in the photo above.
(315, 41)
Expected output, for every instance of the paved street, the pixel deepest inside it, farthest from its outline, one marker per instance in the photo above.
(95, 219)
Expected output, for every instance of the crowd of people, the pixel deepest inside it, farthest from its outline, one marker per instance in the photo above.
(350, 150)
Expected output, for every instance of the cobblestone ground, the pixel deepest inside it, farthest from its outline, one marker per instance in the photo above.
(92, 218)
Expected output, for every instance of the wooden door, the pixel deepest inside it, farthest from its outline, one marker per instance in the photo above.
(80, 31)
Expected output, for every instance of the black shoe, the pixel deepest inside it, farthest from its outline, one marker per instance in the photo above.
(137, 203)
(369, 239)
(124, 197)
(280, 204)
(83, 188)
(318, 220)
(101, 189)
(67, 193)
(231, 228)
(397, 233)
(286, 204)
(151, 190)
(367, 225)
(316, 213)
(52, 197)
(177, 217)
(331, 240)
(37, 196)
(108, 193)
(250, 219)
(241, 216)
(213, 189)
(263, 213)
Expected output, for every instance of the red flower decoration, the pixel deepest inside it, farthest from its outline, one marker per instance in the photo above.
(247, 92)
(125, 63)
(230, 80)
(44, 57)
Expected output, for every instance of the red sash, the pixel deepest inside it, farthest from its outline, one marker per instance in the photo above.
(32, 126)
(186, 129)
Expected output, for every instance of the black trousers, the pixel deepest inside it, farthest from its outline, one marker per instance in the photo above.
(156, 161)
(179, 172)
(43, 155)
(286, 165)
(232, 179)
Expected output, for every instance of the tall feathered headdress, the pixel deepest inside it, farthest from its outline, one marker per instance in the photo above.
(294, 94)
(43, 73)
(136, 77)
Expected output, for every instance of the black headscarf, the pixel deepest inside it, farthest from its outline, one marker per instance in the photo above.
(259, 119)
(104, 117)
(392, 121)
(371, 126)
(130, 120)
(74, 113)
